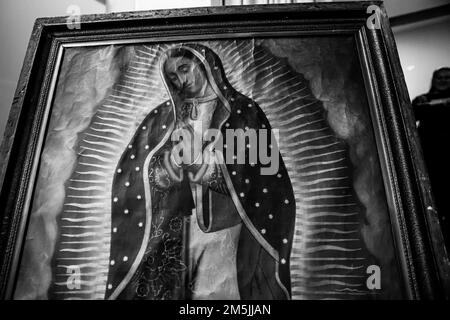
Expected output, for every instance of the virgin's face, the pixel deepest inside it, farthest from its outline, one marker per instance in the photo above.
(442, 80)
(186, 76)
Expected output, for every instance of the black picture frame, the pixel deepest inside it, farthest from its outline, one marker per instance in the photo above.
(415, 222)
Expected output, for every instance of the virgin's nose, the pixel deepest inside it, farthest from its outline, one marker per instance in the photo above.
(182, 80)
(179, 82)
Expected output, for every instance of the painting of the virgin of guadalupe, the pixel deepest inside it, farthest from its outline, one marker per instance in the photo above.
(233, 169)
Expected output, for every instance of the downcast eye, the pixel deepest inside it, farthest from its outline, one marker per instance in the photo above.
(173, 79)
(183, 68)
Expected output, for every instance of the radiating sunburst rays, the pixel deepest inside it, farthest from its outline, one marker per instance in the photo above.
(85, 223)
(327, 259)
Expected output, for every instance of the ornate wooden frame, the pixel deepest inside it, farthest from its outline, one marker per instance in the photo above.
(419, 239)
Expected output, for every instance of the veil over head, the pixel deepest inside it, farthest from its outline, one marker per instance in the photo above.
(210, 64)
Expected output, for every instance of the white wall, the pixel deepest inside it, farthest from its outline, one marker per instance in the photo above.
(131, 5)
(423, 48)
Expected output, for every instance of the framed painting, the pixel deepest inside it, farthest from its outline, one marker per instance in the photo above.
(256, 152)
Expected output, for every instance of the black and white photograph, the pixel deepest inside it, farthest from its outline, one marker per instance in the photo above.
(225, 150)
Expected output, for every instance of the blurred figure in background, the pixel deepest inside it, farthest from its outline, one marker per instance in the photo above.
(432, 111)
(439, 93)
